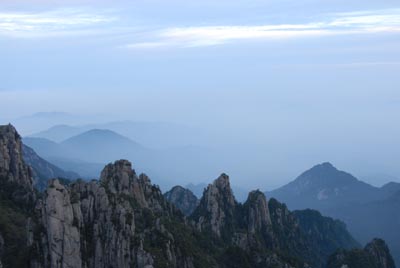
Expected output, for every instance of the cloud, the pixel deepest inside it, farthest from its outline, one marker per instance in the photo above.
(366, 22)
(51, 23)
(85, 21)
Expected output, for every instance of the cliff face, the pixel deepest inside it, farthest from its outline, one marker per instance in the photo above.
(376, 254)
(13, 170)
(183, 199)
(16, 200)
(118, 222)
(328, 234)
(248, 228)
(217, 208)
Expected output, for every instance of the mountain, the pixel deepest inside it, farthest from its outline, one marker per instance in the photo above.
(331, 234)
(151, 134)
(101, 145)
(340, 195)
(124, 220)
(44, 147)
(30, 124)
(258, 226)
(58, 133)
(183, 199)
(375, 254)
(377, 218)
(87, 152)
(42, 170)
(323, 187)
(198, 189)
(390, 188)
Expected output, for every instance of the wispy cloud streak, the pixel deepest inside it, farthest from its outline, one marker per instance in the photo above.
(81, 21)
(50, 23)
(385, 21)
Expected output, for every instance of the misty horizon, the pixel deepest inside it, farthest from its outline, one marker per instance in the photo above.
(257, 171)
(283, 85)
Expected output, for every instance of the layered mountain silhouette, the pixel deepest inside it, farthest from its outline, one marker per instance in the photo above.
(150, 134)
(368, 211)
(123, 220)
(43, 170)
(85, 153)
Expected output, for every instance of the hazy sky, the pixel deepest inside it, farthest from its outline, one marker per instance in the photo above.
(312, 80)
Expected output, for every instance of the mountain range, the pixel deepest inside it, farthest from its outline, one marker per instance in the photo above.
(86, 153)
(368, 211)
(158, 135)
(123, 220)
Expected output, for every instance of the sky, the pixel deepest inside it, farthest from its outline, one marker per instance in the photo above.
(307, 81)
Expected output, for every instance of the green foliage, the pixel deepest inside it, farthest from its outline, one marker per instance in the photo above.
(234, 257)
(13, 229)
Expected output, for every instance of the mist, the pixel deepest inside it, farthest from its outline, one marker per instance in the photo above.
(265, 104)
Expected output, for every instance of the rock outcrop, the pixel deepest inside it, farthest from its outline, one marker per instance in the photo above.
(376, 254)
(121, 221)
(257, 212)
(248, 227)
(16, 175)
(183, 199)
(17, 199)
(217, 208)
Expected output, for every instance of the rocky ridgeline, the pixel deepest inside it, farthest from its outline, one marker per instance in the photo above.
(256, 227)
(123, 220)
(117, 222)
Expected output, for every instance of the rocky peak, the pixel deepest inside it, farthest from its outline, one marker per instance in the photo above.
(61, 221)
(221, 188)
(118, 177)
(257, 211)
(183, 199)
(380, 254)
(217, 206)
(15, 175)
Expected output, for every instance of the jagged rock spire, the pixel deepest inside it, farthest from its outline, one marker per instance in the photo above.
(217, 206)
(257, 211)
(380, 254)
(118, 177)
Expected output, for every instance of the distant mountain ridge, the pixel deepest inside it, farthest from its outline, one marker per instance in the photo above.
(367, 210)
(183, 199)
(324, 186)
(87, 152)
(58, 133)
(43, 170)
(151, 134)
